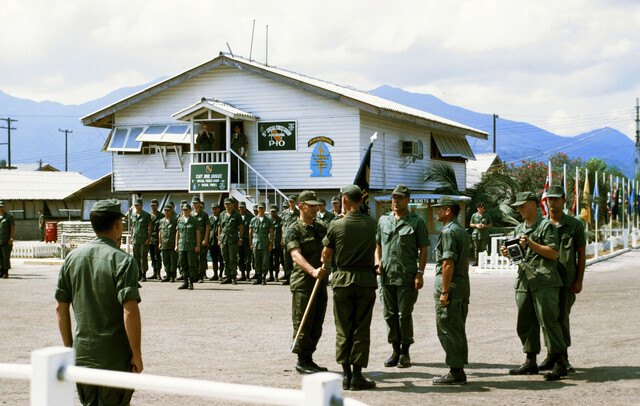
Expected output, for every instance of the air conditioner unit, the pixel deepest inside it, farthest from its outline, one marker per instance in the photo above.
(410, 148)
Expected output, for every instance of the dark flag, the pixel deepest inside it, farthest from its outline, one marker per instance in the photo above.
(362, 177)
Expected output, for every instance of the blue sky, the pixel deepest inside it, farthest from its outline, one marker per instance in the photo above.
(568, 66)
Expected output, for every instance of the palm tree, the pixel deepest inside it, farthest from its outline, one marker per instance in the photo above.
(443, 174)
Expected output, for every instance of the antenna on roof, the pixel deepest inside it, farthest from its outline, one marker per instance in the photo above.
(252, 29)
(266, 58)
(230, 51)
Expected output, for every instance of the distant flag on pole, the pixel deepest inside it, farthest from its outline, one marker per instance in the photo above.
(362, 177)
(596, 195)
(614, 202)
(576, 195)
(585, 213)
(544, 202)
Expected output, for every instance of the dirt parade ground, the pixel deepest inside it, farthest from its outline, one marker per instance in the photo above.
(243, 334)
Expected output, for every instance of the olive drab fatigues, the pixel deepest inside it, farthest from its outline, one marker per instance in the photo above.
(214, 249)
(205, 141)
(308, 238)
(570, 238)
(400, 240)
(480, 238)
(453, 244)
(187, 243)
(167, 230)
(229, 235)
(288, 218)
(276, 249)
(154, 251)
(41, 226)
(261, 231)
(327, 216)
(244, 252)
(354, 284)
(537, 288)
(6, 222)
(140, 223)
(100, 338)
(203, 222)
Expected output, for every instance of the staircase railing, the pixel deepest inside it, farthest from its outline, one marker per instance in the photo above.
(254, 181)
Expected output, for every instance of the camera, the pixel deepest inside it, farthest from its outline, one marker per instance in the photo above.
(514, 250)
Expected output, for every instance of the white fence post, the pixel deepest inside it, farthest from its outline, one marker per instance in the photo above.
(320, 388)
(625, 238)
(46, 387)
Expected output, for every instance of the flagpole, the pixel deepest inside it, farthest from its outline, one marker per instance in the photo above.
(595, 215)
(624, 208)
(550, 178)
(611, 202)
(564, 185)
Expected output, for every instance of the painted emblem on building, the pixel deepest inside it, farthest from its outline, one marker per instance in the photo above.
(320, 157)
(277, 136)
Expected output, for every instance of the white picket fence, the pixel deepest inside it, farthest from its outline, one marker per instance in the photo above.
(52, 374)
(35, 249)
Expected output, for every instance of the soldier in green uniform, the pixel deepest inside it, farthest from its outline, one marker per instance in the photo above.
(276, 249)
(205, 139)
(451, 290)
(188, 246)
(289, 216)
(205, 228)
(108, 327)
(239, 144)
(480, 222)
(214, 248)
(141, 230)
(304, 242)
(167, 243)
(7, 230)
(537, 289)
(154, 251)
(261, 238)
(571, 263)
(401, 239)
(353, 239)
(323, 214)
(41, 225)
(244, 252)
(336, 208)
(230, 232)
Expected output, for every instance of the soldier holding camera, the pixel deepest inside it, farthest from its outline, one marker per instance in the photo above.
(537, 288)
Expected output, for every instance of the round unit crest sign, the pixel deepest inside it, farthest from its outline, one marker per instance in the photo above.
(277, 136)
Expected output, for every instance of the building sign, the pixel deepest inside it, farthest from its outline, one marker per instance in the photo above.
(277, 136)
(320, 157)
(209, 177)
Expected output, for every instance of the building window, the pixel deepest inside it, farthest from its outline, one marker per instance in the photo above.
(123, 139)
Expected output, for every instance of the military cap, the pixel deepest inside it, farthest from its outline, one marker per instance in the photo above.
(1, 203)
(228, 200)
(242, 204)
(196, 199)
(107, 206)
(185, 206)
(401, 190)
(214, 204)
(479, 204)
(293, 198)
(308, 197)
(335, 199)
(168, 207)
(555, 191)
(154, 202)
(523, 197)
(183, 202)
(353, 192)
(447, 201)
(172, 204)
(322, 202)
(138, 202)
(273, 208)
(261, 205)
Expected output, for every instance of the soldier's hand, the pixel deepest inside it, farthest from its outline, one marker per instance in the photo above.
(319, 273)
(205, 243)
(444, 299)
(576, 287)
(239, 244)
(177, 250)
(524, 241)
(220, 243)
(197, 248)
(503, 251)
(136, 364)
(251, 247)
(419, 281)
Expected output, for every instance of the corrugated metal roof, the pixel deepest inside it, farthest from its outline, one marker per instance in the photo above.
(327, 89)
(216, 105)
(453, 147)
(476, 168)
(39, 185)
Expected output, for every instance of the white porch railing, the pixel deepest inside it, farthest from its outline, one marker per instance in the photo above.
(35, 249)
(205, 157)
(52, 374)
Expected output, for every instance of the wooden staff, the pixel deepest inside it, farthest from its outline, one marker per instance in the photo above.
(306, 311)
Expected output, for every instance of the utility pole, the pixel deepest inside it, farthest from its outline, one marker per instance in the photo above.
(8, 143)
(635, 166)
(495, 116)
(66, 132)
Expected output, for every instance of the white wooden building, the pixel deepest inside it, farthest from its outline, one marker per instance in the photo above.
(303, 133)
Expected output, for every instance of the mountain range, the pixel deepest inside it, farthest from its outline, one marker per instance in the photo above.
(38, 137)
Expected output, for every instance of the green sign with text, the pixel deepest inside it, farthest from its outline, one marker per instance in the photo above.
(209, 178)
(277, 136)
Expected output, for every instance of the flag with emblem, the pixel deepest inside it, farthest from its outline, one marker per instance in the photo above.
(544, 202)
(362, 177)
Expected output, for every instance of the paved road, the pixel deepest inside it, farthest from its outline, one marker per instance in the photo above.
(242, 334)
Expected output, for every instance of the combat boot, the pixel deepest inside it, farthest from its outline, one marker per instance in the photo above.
(395, 356)
(185, 284)
(258, 280)
(190, 284)
(528, 368)
(559, 368)
(346, 376)
(546, 365)
(286, 281)
(358, 381)
(456, 376)
(264, 278)
(405, 359)
(304, 366)
(315, 366)
(167, 277)
(271, 276)
(570, 368)
(226, 281)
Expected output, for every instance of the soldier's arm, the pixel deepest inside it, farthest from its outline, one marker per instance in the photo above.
(64, 323)
(205, 241)
(177, 239)
(327, 253)
(149, 233)
(240, 233)
(378, 259)
(251, 237)
(296, 255)
(422, 264)
(544, 250)
(270, 239)
(197, 249)
(577, 285)
(133, 327)
(12, 231)
(447, 275)
(219, 229)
